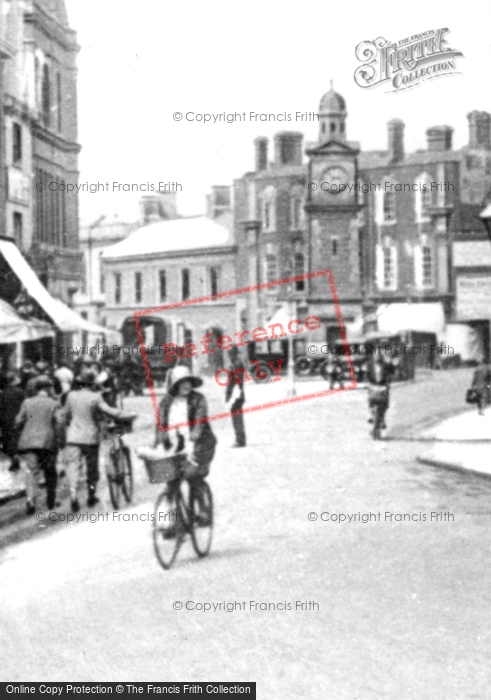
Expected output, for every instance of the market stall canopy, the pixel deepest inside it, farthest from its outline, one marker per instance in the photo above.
(14, 329)
(64, 318)
(393, 318)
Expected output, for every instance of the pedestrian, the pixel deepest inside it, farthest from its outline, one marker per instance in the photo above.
(182, 404)
(379, 374)
(38, 421)
(11, 400)
(63, 377)
(481, 383)
(84, 410)
(29, 373)
(235, 397)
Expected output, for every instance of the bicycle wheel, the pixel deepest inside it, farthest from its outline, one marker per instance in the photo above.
(168, 532)
(201, 507)
(113, 474)
(126, 472)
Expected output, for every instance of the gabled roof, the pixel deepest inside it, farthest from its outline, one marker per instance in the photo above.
(333, 146)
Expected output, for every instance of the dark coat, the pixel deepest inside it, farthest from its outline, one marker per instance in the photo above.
(481, 379)
(10, 402)
(200, 434)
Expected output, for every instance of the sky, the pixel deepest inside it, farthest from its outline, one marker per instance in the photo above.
(140, 62)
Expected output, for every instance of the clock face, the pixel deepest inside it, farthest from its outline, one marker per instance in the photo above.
(333, 179)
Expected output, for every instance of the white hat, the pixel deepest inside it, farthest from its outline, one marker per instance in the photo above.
(179, 374)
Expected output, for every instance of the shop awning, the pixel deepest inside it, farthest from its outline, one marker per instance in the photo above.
(14, 329)
(64, 318)
(426, 317)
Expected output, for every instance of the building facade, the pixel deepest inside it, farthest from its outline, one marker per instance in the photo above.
(40, 136)
(384, 222)
(172, 261)
(105, 232)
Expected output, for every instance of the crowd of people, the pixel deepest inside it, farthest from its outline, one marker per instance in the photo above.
(50, 419)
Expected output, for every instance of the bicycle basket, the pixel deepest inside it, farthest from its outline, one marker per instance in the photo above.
(165, 468)
(377, 394)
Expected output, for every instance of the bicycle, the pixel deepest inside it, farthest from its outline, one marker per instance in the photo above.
(117, 461)
(177, 513)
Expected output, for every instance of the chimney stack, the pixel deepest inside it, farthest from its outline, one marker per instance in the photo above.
(479, 130)
(288, 148)
(219, 201)
(395, 138)
(439, 138)
(159, 206)
(261, 153)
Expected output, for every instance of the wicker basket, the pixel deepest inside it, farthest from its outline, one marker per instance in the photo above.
(164, 469)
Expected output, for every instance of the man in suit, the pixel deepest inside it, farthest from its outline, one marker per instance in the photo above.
(37, 420)
(235, 398)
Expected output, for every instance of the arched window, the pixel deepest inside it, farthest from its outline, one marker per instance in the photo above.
(46, 95)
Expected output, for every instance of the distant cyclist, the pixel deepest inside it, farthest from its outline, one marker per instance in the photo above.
(379, 374)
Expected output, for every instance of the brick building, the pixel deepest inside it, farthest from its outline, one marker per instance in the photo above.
(384, 222)
(285, 227)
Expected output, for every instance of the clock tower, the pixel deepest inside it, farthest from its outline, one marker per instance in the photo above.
(333, 211)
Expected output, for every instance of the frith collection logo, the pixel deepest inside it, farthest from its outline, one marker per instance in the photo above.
(406, 63)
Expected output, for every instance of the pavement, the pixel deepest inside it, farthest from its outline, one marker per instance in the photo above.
(462, 443)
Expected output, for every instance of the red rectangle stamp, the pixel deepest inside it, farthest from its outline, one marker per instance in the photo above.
(256, 368)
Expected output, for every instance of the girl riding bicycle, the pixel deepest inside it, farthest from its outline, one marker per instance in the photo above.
(183, 405)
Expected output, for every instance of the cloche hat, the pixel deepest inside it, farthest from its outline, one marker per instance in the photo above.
(178, 375)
